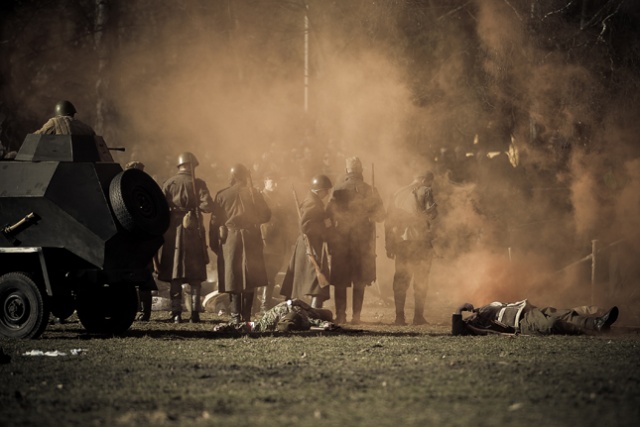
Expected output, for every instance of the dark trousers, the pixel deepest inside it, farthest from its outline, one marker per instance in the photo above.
(175, 294)
(240, 306)
(411, 264)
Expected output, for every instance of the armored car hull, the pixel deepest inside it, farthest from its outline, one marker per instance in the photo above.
(78, 233)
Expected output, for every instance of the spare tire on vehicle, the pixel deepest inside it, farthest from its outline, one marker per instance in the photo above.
(138, 203)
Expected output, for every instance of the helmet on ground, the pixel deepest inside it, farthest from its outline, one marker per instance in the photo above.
(239, 172)
(187, 157)
(65, 108)
(321, 182)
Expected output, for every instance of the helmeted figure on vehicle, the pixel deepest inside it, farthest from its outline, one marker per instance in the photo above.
(408, 236)
(309, 261)
(184, 254)
(234, 235)
(64, 122)
(354, 208)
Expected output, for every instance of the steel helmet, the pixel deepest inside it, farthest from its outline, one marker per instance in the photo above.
(187, 157)
(65, 108)
(321, 182)
(239, 172)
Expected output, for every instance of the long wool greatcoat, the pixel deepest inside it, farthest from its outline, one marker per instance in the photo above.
(240, 210)
(354, 208)
(183, 255)
(301, 278)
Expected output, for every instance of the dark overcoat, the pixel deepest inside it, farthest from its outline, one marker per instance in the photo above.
(354, 208)
(301, 278)
(183, 255)
(240, 210)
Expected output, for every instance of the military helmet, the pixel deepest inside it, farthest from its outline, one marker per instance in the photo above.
(239, 172)
(321, 182)
(187, 157)
(65, 108)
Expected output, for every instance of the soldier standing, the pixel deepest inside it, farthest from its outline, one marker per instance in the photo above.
(184, 253)
(234, 235)
(64, 122)
(408, 238)
(309, 265)
(354, 208)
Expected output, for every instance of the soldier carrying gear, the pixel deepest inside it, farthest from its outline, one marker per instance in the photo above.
(184, 254)
(234, 235)
(354, 209)
(64, 122)
(308, 268)
(408, 235)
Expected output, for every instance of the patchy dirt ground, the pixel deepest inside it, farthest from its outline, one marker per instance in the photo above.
(373, 374)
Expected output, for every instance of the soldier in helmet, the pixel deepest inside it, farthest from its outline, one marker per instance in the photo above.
(309, 262)
(408, 235)
(354, 208)
(184, 254)
(234, 235)
(64, 122)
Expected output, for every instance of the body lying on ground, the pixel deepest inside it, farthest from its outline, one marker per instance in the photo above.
(290, 315)
(522, 317)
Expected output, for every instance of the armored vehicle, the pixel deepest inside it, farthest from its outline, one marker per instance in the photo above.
(77, 233)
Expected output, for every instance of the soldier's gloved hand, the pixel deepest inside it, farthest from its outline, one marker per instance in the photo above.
(390, 254)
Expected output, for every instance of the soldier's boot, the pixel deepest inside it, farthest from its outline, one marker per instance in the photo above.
(399, 298)
(196, 304)
(175, 295)
(340, 295)
(176, 310)
(418, 314)
(235, 307)
(358, 299)
(145, 305)
(316, 302)
(247, 303)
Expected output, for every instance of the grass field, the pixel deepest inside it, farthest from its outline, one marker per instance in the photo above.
(374, 374)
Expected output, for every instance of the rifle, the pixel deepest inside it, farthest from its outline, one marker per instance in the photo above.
(322, 279)
(203, 242)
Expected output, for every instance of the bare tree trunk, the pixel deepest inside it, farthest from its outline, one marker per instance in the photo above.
(100, 48)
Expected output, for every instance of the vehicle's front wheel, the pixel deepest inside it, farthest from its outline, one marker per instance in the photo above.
(24, 311)
(107, 309)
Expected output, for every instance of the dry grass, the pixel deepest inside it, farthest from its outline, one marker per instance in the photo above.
(376, 375)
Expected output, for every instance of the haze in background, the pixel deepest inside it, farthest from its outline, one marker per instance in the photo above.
(225, 80)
